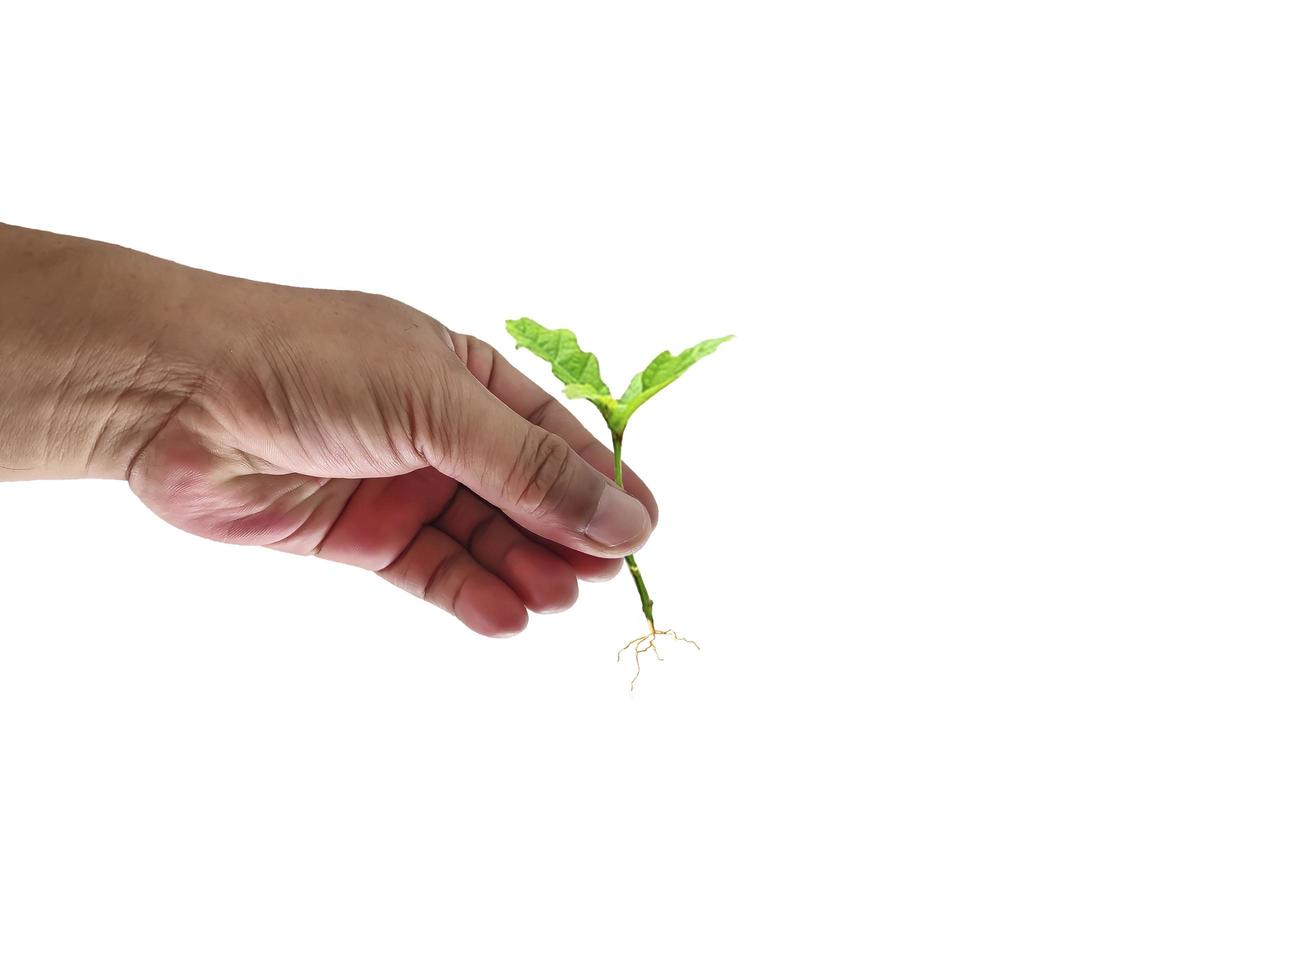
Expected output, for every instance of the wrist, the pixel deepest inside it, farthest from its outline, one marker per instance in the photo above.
(93, 355)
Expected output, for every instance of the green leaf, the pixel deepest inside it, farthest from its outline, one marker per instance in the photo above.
(571, 365)
(606, 403)
(662, 371)
(577, 369)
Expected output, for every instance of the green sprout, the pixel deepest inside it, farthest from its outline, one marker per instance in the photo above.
(579, 372)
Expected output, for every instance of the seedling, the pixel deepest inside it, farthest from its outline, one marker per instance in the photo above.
(579, 372)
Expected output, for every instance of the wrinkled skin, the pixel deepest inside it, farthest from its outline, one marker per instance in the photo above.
(342, 425)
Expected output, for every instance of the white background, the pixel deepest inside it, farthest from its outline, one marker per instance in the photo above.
(990, 523)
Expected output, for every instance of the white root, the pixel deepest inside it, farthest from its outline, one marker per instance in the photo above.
(649, 642)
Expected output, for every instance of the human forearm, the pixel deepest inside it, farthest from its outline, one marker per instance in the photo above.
(91, 361)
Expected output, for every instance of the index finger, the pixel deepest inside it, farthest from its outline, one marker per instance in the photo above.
(537, 406)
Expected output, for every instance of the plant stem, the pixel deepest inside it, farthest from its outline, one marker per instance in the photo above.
(645, 602)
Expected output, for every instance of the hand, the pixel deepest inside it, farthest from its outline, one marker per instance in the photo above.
(354, 428)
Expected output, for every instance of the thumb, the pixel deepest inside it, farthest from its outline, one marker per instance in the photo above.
(536, 478)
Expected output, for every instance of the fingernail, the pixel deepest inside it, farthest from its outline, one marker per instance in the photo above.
(620, 519)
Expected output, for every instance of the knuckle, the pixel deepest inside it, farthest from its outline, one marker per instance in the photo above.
(462, 345)
(541, 473)
(371, 306)
(443, 583)
(541, 413)
(474, 349)
(479, 357)
(398, 315)
(438, 401)
(446, 419)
